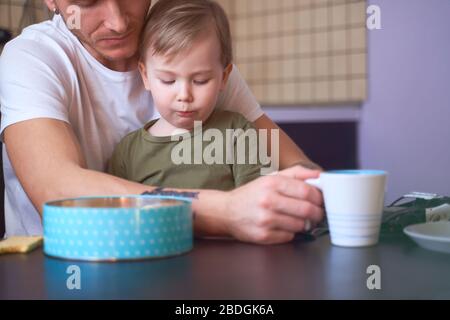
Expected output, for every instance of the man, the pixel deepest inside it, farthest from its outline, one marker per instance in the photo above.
(68, 97)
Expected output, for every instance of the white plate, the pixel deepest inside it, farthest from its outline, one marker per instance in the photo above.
(432, 235)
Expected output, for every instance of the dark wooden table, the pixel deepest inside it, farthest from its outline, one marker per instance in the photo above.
(221, 269)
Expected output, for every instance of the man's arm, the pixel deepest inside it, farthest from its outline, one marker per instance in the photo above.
(48, 162)
(268, 210)
(290, 154)
(237, 97)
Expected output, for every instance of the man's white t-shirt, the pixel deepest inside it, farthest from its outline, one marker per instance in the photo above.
(46, 73)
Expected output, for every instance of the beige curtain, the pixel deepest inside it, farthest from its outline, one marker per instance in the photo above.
(18, 14)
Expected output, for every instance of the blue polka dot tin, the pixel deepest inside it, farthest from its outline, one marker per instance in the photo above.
(117, 228)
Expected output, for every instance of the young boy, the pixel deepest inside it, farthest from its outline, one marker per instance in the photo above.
(186, 58)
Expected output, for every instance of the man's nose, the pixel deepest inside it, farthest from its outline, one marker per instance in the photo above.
(184, 92)
(116, 18)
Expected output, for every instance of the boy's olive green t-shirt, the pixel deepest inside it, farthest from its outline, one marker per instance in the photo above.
(151, 160)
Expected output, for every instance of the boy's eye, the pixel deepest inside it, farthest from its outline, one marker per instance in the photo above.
(200, 82)
(167, 81)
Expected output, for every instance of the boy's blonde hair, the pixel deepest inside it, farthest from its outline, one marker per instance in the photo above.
(173, 25)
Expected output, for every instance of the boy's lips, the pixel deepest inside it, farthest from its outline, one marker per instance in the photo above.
(185, 114)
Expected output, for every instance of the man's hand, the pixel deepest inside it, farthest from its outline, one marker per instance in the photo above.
(273, 208)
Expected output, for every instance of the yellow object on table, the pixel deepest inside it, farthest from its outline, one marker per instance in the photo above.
(17, 244)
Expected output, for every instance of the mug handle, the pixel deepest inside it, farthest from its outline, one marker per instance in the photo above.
(314, 182)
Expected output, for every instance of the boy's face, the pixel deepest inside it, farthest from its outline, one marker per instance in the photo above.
(185, 88)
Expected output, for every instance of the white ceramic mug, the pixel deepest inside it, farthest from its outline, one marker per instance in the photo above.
(354, 202)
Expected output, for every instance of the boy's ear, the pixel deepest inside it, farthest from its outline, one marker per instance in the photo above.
(226, 75)
(143, 71)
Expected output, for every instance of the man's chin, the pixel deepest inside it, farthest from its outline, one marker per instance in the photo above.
(118, 55)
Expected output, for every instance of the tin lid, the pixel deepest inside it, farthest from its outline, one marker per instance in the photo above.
(115, 202)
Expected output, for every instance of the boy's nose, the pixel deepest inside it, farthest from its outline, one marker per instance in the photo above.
(184, 93)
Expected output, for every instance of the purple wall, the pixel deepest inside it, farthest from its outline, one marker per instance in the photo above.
(405, 123)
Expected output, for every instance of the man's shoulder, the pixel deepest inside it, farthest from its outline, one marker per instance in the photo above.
(48, 28)
(44, 41)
